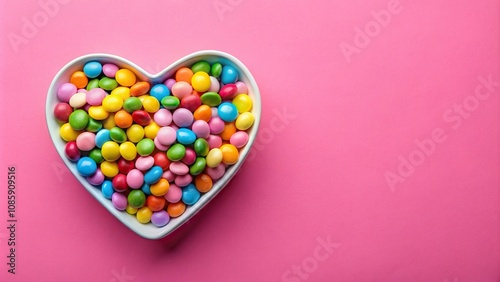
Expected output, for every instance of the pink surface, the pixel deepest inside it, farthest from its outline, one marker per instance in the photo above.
(337, 187)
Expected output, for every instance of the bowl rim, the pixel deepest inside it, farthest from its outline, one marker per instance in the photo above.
(150, 231)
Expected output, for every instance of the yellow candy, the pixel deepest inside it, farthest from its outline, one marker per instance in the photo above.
(128, 150)
(131, 210)
(135, 133)
(144, 215)
(125, 77)
(98, 112)
(150, 104)
(243, 103)
(230, 154)
(109, 169)
(151, 130)
(244, 121)
(110, 151)
(200, 81)
(214, 157)
(112, 103)
(68, 133)
(123, 92)
(109, 122)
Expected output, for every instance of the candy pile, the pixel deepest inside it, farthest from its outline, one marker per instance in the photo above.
(153, 150)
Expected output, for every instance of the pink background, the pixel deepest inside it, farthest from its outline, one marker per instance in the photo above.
(318, 172)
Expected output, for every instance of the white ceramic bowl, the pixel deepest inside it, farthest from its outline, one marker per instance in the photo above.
(149, 230)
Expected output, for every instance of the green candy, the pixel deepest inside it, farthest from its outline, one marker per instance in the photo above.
(201, 66)
(145, 147)
(132, 104)
(78, 119)
(118, 135)
(170, 102)
(136, 199)
(176, 152)
(107, 83)
(94, 83)
(93, 125)
(96, 155)
(216, 70)
(201, 147)
(198, 166)
(211, 99)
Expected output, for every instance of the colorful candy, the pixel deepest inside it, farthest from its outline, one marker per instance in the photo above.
(154, 149)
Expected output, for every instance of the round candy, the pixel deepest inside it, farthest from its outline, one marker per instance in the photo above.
(201, 129)
(214, 157)
(136, 198)
(185, 136)
(227, 112)
(163, 117)
(176, 209)
(160, 188)
(153, 175)
(85, 141)
(144, 215)
(92, 69)
(191, 102)
(78, 100)
(216, 69)
(151, 104)
(93, 125)
(112, 103)
(239, 139)
(121, 91)
(117, 134)
(170, 102)
(174, 194)
(203, 182)
(65, 91)
(62, 111)
(201, 66)
(123, 119)
(244, 121)
(166, 136)
(214, 141)
(128, 150)
(214, 85)
(130, 210)
(181, 89)
(228, 91)
(200, 81)
(125, 166)
(119, 201)
(107, 83)
(125, 77)
(160, 218)
(71, 151)
(159, 91)
(242, 87)
(135, 133)
(109, 169)
(198, 166)
(201, 147)
(86, 166)
(98, 113)
(176, 152)
(183, 180)
(67, 133)
(179, 168)
(190, 195)
(120, 183)
(78, 119)
(110, 151)
(161, 160)
(230, 154)
(216, 172)
(107, 189)
(140, 88)
(243, 103)
(211, 99)
(184, 74)
(135, 179)
(141, 117)
(145, 147)
(102, 137)
(151, 130)
(229, 130)
(182, 117)
(144, 163)
(79, 79)
(203, 112)
(95, 96)
(132, 104)
(228, 75)
(216, 125)
(155, 203)
(190, 156)
(109, 70)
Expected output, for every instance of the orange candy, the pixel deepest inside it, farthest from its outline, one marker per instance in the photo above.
(123, 119)
(203, 182)
(203, 113)
(184, 74)
(79, 79)
(229, 129)
(160, 188)
(176, 209)
(155, 203)
(140, 88)
(230, 154)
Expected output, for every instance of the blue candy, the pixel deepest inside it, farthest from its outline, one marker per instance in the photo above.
(190, 195)
(185, 136)
(107, 189)
(228, 75)
(102, 137)
(227, 112)
(153, 175)
(146, 189)
(92, 69)
(86, 166)
(159, 91)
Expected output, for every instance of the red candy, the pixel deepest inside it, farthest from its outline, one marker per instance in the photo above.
(120, 182)
(191, 102)
(161, 160)
(125, 166)
(141, 117)
(228, 91)
(62, 111)
(72, 151)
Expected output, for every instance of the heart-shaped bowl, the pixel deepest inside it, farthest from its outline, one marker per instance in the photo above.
(211, 56)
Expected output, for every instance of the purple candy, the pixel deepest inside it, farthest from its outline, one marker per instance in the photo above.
(119, 201)
(65, 91)
(183, 117)
(169, 82)
(109, 70)
(97, 178)
(201, 129)
(216, 125)
(160, 218)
